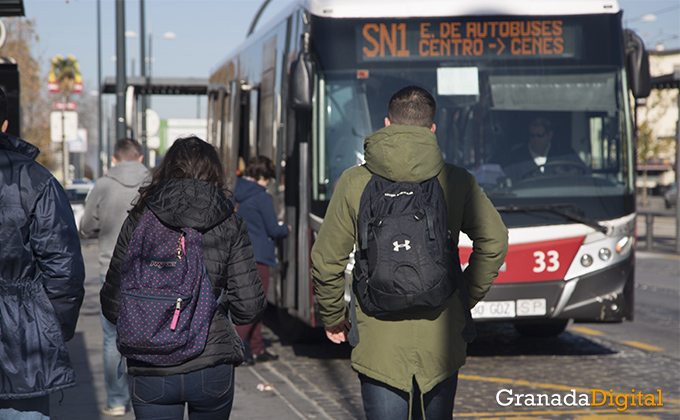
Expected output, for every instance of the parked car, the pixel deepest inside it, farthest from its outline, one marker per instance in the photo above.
(670, 197)
(77, 193)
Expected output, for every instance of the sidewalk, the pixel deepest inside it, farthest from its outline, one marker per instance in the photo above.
(663, 229)
(85, 401)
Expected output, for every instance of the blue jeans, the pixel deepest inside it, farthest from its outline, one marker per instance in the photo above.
(117, 389)
(37, 408)
(209, 393)
(382, 402)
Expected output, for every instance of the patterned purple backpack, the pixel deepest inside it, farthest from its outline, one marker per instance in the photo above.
(166, 299)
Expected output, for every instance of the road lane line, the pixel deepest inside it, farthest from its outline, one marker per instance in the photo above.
(637, 344)
(643, 346)
(588, 331)
(521, 382)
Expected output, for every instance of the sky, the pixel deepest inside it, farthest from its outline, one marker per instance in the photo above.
(206, 31)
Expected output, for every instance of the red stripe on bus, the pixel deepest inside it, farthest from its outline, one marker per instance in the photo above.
(535, 261)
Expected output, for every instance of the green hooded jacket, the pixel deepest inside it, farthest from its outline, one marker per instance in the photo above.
(430, 348)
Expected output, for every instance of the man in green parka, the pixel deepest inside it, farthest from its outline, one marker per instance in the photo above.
(407, 360)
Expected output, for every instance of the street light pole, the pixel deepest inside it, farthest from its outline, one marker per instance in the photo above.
(121, 78)
(64, 143)
(150, 53)
(143, 96)
(677, 174)
(100, 136)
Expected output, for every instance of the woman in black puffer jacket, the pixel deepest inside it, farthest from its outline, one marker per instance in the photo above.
(187, 190)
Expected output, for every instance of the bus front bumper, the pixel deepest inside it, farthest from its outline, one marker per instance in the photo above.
(602, 296)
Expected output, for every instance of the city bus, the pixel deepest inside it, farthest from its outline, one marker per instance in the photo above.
(307, 88)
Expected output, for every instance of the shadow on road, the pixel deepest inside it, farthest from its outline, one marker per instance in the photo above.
(498, 339)
(493, 339)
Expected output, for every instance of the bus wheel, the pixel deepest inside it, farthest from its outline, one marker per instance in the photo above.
(542, 329)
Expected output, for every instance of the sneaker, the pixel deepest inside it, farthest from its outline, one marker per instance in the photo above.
(114, 411)
(265, 356)
(247, 362)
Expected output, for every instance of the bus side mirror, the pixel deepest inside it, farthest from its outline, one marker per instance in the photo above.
(302, 79)
(637, 65)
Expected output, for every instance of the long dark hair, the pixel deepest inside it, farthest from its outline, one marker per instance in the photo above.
(188, 157)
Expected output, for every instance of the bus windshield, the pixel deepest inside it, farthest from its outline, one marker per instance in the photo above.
(546, 127)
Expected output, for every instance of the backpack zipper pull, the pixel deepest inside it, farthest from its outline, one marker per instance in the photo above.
(175, 317)
(180, 246)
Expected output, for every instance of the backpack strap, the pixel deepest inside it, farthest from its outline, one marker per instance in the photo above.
(353, 336)
(364, 233)
(430, 223)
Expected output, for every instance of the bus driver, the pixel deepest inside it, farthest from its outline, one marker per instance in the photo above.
(540, 156)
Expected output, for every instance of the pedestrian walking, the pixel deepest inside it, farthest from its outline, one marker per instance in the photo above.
(257, 209)
(407, 363)
(106, 207)
(41, 280)
(187, 190)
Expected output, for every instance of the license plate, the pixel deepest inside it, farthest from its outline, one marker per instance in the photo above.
(509, 308)
(531, 307)
(500, 309)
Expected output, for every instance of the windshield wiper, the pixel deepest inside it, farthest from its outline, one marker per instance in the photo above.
(559, 209)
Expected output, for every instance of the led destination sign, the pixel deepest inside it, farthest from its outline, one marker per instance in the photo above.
(431, 39)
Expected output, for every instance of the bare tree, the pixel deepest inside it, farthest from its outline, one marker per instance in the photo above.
(22, 46)
(649, 144)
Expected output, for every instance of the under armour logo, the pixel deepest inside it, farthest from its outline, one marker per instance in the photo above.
(405, 245)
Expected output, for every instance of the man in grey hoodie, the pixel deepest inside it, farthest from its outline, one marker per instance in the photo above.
(106, 208)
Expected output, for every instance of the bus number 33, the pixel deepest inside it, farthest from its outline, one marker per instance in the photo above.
(546, 261)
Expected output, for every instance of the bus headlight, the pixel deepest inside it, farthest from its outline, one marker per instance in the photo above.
(586, 260)
(623, 244)
(604, 254)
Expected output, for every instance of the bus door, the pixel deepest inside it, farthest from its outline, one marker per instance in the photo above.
(247, 127)
(296, 296)
(218, 117)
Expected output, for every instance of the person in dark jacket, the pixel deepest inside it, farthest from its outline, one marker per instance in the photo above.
(188, 190)
(106, 208)
(41, 280)
(255, 205)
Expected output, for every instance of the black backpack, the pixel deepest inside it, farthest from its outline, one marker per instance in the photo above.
(405, 259)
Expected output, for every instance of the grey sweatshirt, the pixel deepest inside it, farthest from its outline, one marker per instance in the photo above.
(108, 204)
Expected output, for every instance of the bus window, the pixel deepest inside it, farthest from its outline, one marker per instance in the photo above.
(345, 124)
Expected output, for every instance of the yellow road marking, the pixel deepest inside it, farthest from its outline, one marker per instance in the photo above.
(584, 330)
(616, 417)
(588, 331)
(643, 346)
(520, 382)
